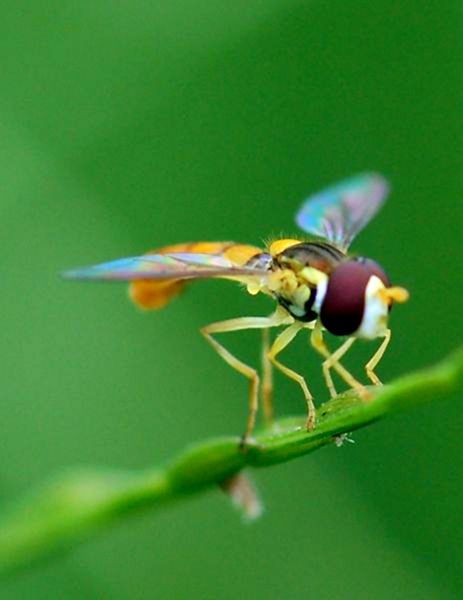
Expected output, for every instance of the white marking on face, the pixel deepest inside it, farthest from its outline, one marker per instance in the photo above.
(320, 296)
(375, 313)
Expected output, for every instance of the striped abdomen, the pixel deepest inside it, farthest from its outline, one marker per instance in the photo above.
(156, 293)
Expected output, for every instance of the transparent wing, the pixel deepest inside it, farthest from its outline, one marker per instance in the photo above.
(181, 265)
(338, 213)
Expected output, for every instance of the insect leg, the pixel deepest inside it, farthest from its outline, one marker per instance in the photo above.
(332, 362)
(280, 344)
(238, 365)
(319, 344)
(267, 378)
(377, 356)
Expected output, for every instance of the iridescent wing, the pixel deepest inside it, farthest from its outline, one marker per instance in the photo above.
(178, 265)
(338, 213)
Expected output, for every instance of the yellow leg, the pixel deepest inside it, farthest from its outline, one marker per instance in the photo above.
(238, 365)
(280, 344)
(377, 356)
(332, 362)
(319, 344)
(335, 358)
(267, 378)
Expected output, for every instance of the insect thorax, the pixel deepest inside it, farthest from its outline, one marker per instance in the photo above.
(300, 304)
(301, 274)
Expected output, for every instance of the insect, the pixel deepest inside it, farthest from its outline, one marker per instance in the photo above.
(316, 286)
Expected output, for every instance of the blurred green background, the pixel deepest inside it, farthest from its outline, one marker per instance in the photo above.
(130, 125)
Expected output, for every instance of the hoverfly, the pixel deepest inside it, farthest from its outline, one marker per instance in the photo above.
(315, 283)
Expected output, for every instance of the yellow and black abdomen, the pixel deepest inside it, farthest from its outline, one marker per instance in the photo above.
(157, 293)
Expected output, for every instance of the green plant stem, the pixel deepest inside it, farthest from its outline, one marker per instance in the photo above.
(77, 504)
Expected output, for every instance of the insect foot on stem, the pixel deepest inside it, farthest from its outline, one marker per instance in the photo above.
(311, 420)
(363, 393)
(246, 442)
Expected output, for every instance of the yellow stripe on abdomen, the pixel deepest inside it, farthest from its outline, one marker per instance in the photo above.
(240, 254)
(152, 294)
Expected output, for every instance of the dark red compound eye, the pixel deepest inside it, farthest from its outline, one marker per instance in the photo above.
(374, 269)
(344, 303)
